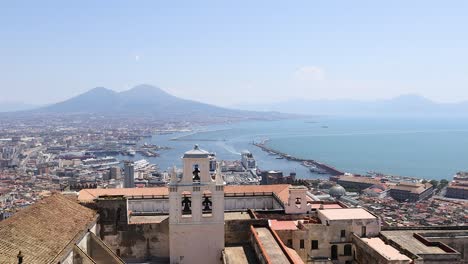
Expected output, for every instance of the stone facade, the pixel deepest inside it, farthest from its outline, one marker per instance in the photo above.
(196, 218)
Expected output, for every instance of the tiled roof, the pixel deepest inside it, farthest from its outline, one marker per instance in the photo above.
(88, 195)
(43, 230)
(413, 188)
(281, 190)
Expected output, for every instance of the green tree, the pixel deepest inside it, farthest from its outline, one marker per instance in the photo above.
(443, 183)
(434, 183)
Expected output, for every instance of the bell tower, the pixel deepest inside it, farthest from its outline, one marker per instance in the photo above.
(196, 218)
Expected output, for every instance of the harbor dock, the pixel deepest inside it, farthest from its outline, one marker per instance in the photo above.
(324, 167)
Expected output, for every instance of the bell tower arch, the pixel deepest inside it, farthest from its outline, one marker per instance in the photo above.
(196, 217)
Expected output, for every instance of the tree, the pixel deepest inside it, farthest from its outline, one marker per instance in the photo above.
(424, 181)
(434, 183)
(443, 183)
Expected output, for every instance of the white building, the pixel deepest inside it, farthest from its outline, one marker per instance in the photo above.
(196, 211)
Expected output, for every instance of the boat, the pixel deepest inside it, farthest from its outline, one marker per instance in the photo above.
(280, 157)
(100, 162)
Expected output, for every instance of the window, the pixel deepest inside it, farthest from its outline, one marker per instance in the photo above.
(301, 243)
(347, 250)
(314, 244)
(343, 233)
(363, 231)
(334, 252)
(289, 242)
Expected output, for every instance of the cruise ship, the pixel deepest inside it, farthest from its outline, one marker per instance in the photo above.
(100, 162)
(141, 164)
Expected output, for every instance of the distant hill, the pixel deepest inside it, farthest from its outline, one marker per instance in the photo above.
(404, 105)
(147, 100)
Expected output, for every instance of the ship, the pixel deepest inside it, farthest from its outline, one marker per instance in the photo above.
(99, 163)
(141, 164)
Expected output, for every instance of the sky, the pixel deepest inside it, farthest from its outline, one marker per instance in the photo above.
(233, 52)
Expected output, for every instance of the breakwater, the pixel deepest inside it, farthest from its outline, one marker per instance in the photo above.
(321, 166)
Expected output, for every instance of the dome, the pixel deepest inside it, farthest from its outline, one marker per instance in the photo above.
(337, 191)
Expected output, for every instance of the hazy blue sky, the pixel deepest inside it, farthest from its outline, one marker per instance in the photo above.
(238, 51)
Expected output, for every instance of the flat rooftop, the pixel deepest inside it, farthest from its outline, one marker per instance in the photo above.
(283, 225)
(240, 255)
(406, 240)
(237, 216)
(146, 219)
(387, 251)
(346, 214)
(271, 247)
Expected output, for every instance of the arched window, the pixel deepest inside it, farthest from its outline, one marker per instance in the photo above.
(347, 250)
(186, 203)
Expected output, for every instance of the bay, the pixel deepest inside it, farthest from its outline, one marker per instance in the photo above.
(432, 148)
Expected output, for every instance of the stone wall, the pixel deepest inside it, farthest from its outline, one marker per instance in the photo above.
(457, 240)
(364, 254)
(238, 231)
(139, 242)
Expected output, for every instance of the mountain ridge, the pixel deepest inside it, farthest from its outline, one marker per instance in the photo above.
(148, 100)
(402, 105)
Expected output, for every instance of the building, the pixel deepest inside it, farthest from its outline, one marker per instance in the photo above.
(337, 191)
(277, 177)
(411, 192)
(248, 161)
(54, 230)
(129, 171)
(197, 219)
(115, 173)
(375, 251)
(196, 209)
(355, 182)
(430, 245)
(458, 188)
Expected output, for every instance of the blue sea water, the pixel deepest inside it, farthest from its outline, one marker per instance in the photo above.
(433, 148)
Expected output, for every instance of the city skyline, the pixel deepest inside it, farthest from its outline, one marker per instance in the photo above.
(207, 51)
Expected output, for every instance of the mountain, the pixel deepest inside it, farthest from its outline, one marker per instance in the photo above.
(403, 105)
(147, 100)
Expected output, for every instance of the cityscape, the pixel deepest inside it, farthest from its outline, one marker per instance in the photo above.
(233, 133)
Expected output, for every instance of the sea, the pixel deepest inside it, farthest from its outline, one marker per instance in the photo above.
(429, 148)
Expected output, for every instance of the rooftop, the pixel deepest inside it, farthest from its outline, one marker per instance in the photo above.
(407, 240)
(346, 214)
(196, 152)
(387, 251)
(362, 179)
(283, 225)
(89, 195)
(413, 188)
(237, 216)
(240, 254)
(43, 230)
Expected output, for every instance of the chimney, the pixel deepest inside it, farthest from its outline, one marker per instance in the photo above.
(20, 257)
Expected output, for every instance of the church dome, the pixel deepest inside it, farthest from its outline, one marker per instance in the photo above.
(337, 191)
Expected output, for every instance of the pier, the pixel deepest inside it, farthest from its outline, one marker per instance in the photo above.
(326, 168)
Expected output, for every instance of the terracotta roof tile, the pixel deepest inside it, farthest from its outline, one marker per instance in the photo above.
(43, 230)
(88, 195)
